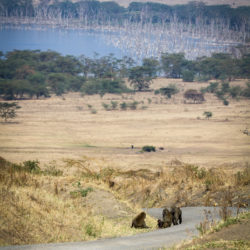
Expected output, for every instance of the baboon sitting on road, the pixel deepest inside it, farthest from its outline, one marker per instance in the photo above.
(139, 221)
(167, 219)
(176, 215)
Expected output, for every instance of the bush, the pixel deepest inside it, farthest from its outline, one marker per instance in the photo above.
(212, 88)
(84, 192)
(235, 91)
(103, 86)
(148, 148)
(8, 110)
(194, 95)
(133, 105)
(168, 91)
(225, 102)
(246, 91)
(123, 106)
(106, 106)
(188, 76)
(114, 105)
(208, 114)
(32, 166)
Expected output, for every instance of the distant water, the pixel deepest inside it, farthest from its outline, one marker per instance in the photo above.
(66, 42)
(137, 45)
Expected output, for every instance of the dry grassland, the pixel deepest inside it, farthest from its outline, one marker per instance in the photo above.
(91, 183)
(65, 127)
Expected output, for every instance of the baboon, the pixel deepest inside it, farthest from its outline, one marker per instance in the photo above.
(160, 223)
(176, 215)
(111, 183)
(167, 218)
(139, 221)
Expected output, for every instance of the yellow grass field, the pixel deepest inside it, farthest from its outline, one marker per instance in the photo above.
(66, 127)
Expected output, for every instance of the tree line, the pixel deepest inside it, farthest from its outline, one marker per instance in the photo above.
(109, 12)
(35, 73)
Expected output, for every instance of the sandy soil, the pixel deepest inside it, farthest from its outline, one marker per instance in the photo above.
(64, 127)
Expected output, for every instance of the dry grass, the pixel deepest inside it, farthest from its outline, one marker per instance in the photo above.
(57, 128)
(34, 211)
(79, 150)
(40, 207)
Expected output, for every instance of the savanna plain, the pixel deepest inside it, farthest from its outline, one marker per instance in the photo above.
(72, 170)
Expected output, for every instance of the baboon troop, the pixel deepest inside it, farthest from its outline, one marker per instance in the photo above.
(168, 217)
(176, 215)
(139, 221)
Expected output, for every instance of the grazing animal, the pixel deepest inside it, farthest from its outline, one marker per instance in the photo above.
(167, 218)
(176, 215)
(139, 221)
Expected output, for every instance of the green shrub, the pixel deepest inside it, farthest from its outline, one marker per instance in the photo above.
(31, 166)
(208, 114)
(235, 91)
(148, 148)
(123, 106)
(84, 192)
(168, 91)
(225, 102)
(133, 105)
(114, 105)
(90, 230)
(106, 106)
(246, 91)
(103, 86)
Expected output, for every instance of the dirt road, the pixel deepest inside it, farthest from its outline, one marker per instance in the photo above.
(192, 216)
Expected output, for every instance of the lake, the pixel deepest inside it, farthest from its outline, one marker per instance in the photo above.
(66, 42)
(120, 43)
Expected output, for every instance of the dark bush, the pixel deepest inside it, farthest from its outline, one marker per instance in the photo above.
(148, 148)
(194, 95)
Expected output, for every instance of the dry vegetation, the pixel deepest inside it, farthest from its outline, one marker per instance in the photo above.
(232, 233)
(65, 127)
(43, 206)
(89, 177)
